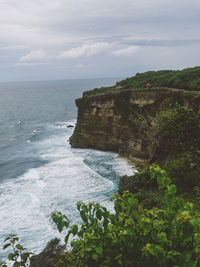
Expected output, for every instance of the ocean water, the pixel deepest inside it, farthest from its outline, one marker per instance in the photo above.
(39, 171)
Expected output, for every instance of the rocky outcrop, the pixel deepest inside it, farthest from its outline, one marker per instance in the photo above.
(124, 121)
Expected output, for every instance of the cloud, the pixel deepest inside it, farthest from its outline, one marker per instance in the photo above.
(85, 50)
(33, 55)
(107, 33)
(128, 51)
(159, 42)
(22, 64)
(13, 47)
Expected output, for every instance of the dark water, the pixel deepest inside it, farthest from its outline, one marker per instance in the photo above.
(39, 171)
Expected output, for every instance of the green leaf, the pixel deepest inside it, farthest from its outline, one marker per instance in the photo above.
(7, 238)
(16, 264)
(162, 237)
(130, 221)
(172, 189)
(95, 256)
(67, 236)
(99, 250)
(135, 213)
(6, 245)
(65, 224)
(20, 247)
(74, 229)
(133, 201)
(98, 214)
(88, 249)
(25, 256)
(83, 216)
(12, 256)
(12, 241)
(60, 226)
(79, 203)
(180, 202)
(84, 208)
(3, 264)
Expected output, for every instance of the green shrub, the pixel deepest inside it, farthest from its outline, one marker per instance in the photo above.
(140, 180)
(45, 258)
(63, 260)
(183, 170)
(178, 131)
(183, 79)
(131, 236)
(19, 255)
(143, 187)
(134, 236)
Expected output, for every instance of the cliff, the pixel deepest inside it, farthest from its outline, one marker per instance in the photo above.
(124, 121)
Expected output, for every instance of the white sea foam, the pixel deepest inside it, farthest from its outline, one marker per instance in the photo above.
(12, 139)
(36, 131)
(15, 124)
(69, 176)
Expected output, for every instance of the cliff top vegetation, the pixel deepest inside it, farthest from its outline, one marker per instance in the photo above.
(188, 79)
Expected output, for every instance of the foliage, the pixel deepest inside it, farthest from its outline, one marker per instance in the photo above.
(99, 90)
(178, 131)
(143, 188)
(188, 79)
(45, 258)
(184, 79)
(184, 171)
(63, 260)
(134, 236)
(140, 180)
(156, 78)
(19, 256)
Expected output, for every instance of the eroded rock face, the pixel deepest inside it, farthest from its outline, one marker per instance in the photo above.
(124, 122)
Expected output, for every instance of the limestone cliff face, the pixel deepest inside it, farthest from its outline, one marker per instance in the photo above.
(124, 122)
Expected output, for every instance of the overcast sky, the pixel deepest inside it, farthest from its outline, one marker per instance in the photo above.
(69, 39)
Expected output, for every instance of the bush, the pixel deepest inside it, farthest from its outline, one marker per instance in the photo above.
(183, 170)
(185, 79)
(143, 187)
(178, 131)
(63, 260)
(44, 259)
(19, 255)
(140, 180)
(134, 236)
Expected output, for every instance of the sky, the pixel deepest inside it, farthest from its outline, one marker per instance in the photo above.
(75, 39)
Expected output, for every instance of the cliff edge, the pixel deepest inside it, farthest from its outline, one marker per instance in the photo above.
(124, 121)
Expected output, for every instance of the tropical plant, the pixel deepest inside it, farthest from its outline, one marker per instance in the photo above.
(47, 256)
(134, 236)
(20, 256)
(131, 236)
(178, 131)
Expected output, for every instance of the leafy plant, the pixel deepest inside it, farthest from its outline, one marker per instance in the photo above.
(134, 236)
(46, 257)
(178, 131)
(183, 79)
(20, 256)
(143, 188)
(184, 170)
(63, 260)
(140, 180)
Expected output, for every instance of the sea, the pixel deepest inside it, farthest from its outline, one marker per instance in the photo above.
(39, 171)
